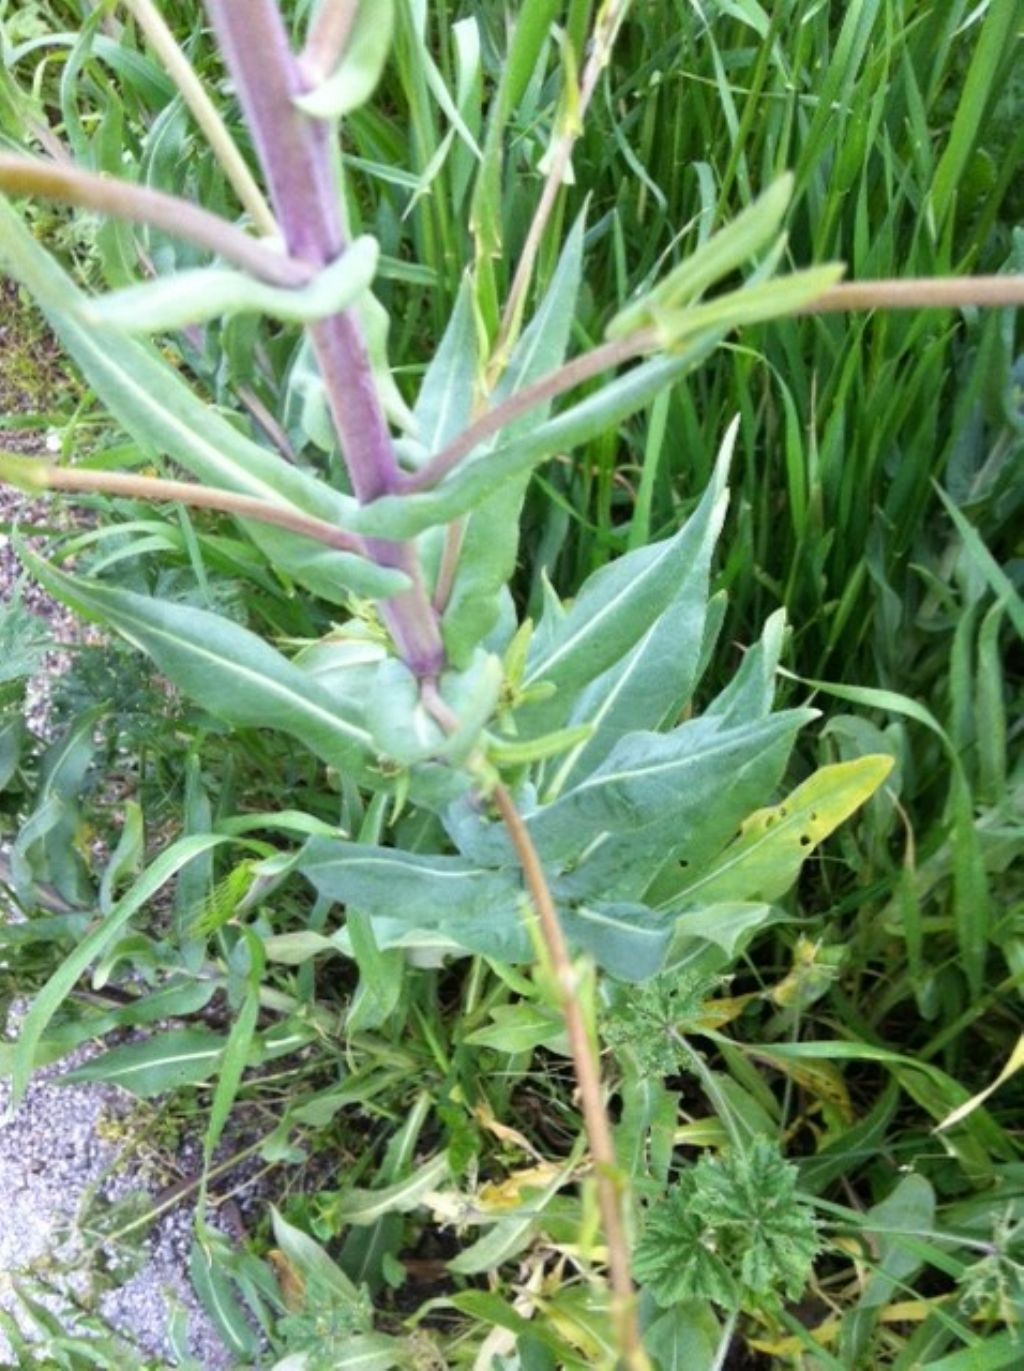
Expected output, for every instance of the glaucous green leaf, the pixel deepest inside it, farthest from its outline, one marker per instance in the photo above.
(164, 1062)
(195, 297)
(224, 667)
(404, 516)
(476, 908)
(615, 608)
(649, 685)
(490, 539)
(722, 253)
(154, 404)
(355, 78)
(658, 801)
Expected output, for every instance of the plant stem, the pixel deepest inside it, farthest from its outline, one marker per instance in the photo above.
(194, 93)
(923, 292)
(941, 292)
(588, 1076)
(45, 478)
(294, 151)
(583, 368)
(140, 205)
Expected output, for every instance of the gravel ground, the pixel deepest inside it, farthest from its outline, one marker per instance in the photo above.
(56, 1154)
(59, 1149)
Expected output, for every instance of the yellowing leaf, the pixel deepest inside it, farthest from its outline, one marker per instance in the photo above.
(1013, 1065)
(820, 1079)
(511, 1193)
(765, 860)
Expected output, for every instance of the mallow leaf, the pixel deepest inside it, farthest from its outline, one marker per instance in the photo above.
(224, 667)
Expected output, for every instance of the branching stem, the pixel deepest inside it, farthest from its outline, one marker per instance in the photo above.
(139, 205)
(40, 477)
(586, 1065)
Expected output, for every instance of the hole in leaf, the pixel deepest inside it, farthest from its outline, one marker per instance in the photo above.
(805, 840)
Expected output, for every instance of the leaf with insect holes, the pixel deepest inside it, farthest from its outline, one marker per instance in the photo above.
(773, 844)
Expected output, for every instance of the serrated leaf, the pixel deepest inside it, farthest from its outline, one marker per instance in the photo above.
(195, 297)
(165, 1062)
(774, 843)
(225, 668)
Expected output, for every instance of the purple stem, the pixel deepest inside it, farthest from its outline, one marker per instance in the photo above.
(295, 153)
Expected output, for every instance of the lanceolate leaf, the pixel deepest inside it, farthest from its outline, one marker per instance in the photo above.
(360, 68)
(766, 858)
(614, 609)
(403, 516)
(159, 410)
(649, 685)
(444, 406)
(49, 999)
(627, 940)
(660, 797)
(476, 908)
(161, 1063)
(490, 540)
(225, 668)
(192, 297)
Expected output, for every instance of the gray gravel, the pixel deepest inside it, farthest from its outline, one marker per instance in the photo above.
(60, 1148)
